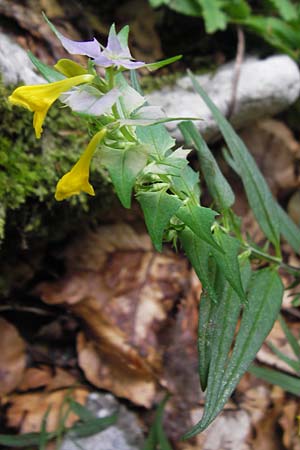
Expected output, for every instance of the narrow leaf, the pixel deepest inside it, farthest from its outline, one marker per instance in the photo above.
(158, 208)
(295, 365)
(225, 317)
(199, 220)
(93, 426)
(81, 411)
(199, 255)
(48, 73)
(289, 229)
(124, 165)
(228, 262)
(292, 340)
(208, 323)
(165, 62)
(218, 186)
(257, 190)
(286, 382)
(265, 296)
(23, 440)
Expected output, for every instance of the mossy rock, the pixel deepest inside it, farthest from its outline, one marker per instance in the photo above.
(30, 217)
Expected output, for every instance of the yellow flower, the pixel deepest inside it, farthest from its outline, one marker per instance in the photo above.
(39, 98)
(77, 180)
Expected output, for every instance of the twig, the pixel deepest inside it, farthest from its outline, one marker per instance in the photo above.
(237, 70)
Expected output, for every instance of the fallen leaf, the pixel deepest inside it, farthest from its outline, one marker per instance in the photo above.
(123, 291)
(46, 377)
(115, 374)
(25, 412)
(288, 422)
(276, 152)
(12, 357)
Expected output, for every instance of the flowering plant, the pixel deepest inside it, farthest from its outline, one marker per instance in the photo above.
(140, 158)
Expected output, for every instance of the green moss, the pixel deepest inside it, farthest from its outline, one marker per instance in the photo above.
(30, 168)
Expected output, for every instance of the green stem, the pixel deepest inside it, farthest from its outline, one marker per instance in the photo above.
(273, 259)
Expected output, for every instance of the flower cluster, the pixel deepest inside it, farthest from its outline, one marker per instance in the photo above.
(86, 92)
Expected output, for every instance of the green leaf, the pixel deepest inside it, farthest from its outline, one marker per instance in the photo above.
(48, 73)
(123, 35)
(237, 9)
(92, 426)
(228, 262)
(123, 166)
(286, 9)
(81, 411)
(164, 62)
(208, 322)
(200, 221)
(295, 365)
(188, 7)
(258, 193)
(286, 382)
(294, 343)
(199, 255)
(218, 186)
(289, 229)
(157, 137)
(157, 3)
(23, 440)
(265, 296)
(157, 436)
(158, 208)
(214, 17)
(222, 322)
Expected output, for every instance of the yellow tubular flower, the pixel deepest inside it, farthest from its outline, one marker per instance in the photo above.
(77, 180)
(39, 98)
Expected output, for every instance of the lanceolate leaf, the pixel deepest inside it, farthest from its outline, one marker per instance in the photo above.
(199, 220)
(286, 382)
(257, 190)
(124, 165)
(48, 73)
(158, 208)
(289, 229)
(228, 262)
(217, 334)
(218, 186)
(164, 62)
(199, 255)
(265, 295)
(208, 322)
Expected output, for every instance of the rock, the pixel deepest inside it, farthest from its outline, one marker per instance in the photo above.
(265, 88)
(15, 65)
(125, 434)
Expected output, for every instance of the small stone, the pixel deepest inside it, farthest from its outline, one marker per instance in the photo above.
(125, 434)
(265, 88)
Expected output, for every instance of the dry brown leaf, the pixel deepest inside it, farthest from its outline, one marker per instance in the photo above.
(12, 357)
(288, 422)
(114, 373)
(46, 377)
(123, 292)
(25, 412)
(276, 152)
